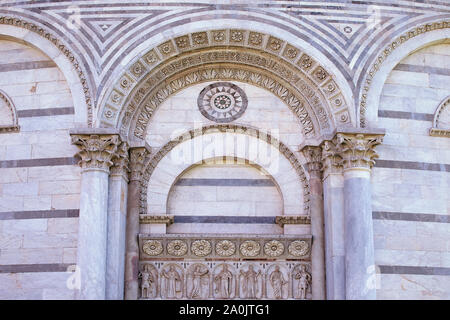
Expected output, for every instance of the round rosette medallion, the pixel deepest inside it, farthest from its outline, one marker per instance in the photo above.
(201, 248)
(225, 248)
(222, 102)
(298, 248)
(152, 248)
(273, 248)
(250, 248)
(177, 248)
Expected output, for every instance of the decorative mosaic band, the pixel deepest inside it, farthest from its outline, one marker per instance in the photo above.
(233, 246)
(225, 280)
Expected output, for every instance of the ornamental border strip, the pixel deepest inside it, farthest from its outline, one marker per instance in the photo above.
(247, 247)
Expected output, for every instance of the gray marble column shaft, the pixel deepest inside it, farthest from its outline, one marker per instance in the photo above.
(92, 234)
(132, 248)
(137, 157)
(115, 261)
(333, 194)
(356, 148)
(97, 147)
(318, 243)
(359, 247)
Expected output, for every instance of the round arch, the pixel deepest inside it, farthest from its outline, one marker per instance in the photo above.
(28, 33)
(299, 80)
(219, 141)
(398, 49)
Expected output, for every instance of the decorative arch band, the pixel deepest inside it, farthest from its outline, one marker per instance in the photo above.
(225, 128)
(213, 55)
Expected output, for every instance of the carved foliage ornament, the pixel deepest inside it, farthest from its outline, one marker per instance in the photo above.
(96, 151)
(358, 150)
(250, 248)
(201, 248)
(273, 248)
(225, 248)
(177, 248)
(298, 248)
(152, 247)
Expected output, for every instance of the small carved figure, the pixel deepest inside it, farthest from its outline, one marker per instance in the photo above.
(277, 281)
(224, 282)
(197, 276)
(250, 285)
(304, 282)
(173, 282)
(146, 283)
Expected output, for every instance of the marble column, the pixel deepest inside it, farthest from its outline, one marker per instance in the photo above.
(97, 148)
(117, 212)
(358, 154)
(333, 202)
(137, 158)
(313, 156)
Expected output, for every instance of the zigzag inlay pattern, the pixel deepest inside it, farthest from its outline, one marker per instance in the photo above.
(348, 34)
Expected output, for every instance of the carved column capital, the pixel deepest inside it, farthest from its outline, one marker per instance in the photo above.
(121, 161)
(138, 156)
(96, 150)
(358, 149)
(331, 160)
(313, 156)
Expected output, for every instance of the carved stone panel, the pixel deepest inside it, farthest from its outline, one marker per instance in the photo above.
(198, 281)
(172, 281)
(251, 279)
(225, 281)
(277, 282)
(231, 279)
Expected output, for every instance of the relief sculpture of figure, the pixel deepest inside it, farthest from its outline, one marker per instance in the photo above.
(277, 281)
(304, 281)
(173, 282)
(224, 282)
(250, 285)
(197, 276)
(146, 283)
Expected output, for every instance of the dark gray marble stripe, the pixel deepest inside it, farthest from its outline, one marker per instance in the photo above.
(393, 164)
(431, 271)
(406, 216)
(38, 162)
(226, 182)
(41, 267)
(29, 65)
(422, 69)
(45, 112)
(224, 219)
(41, 214)
(405, 115)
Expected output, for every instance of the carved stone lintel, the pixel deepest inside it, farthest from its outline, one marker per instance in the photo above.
(313, 156)
(301, 219)
(120, 161)
(358, 149)
(150, 219)
(96, 150)
(138, 156)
